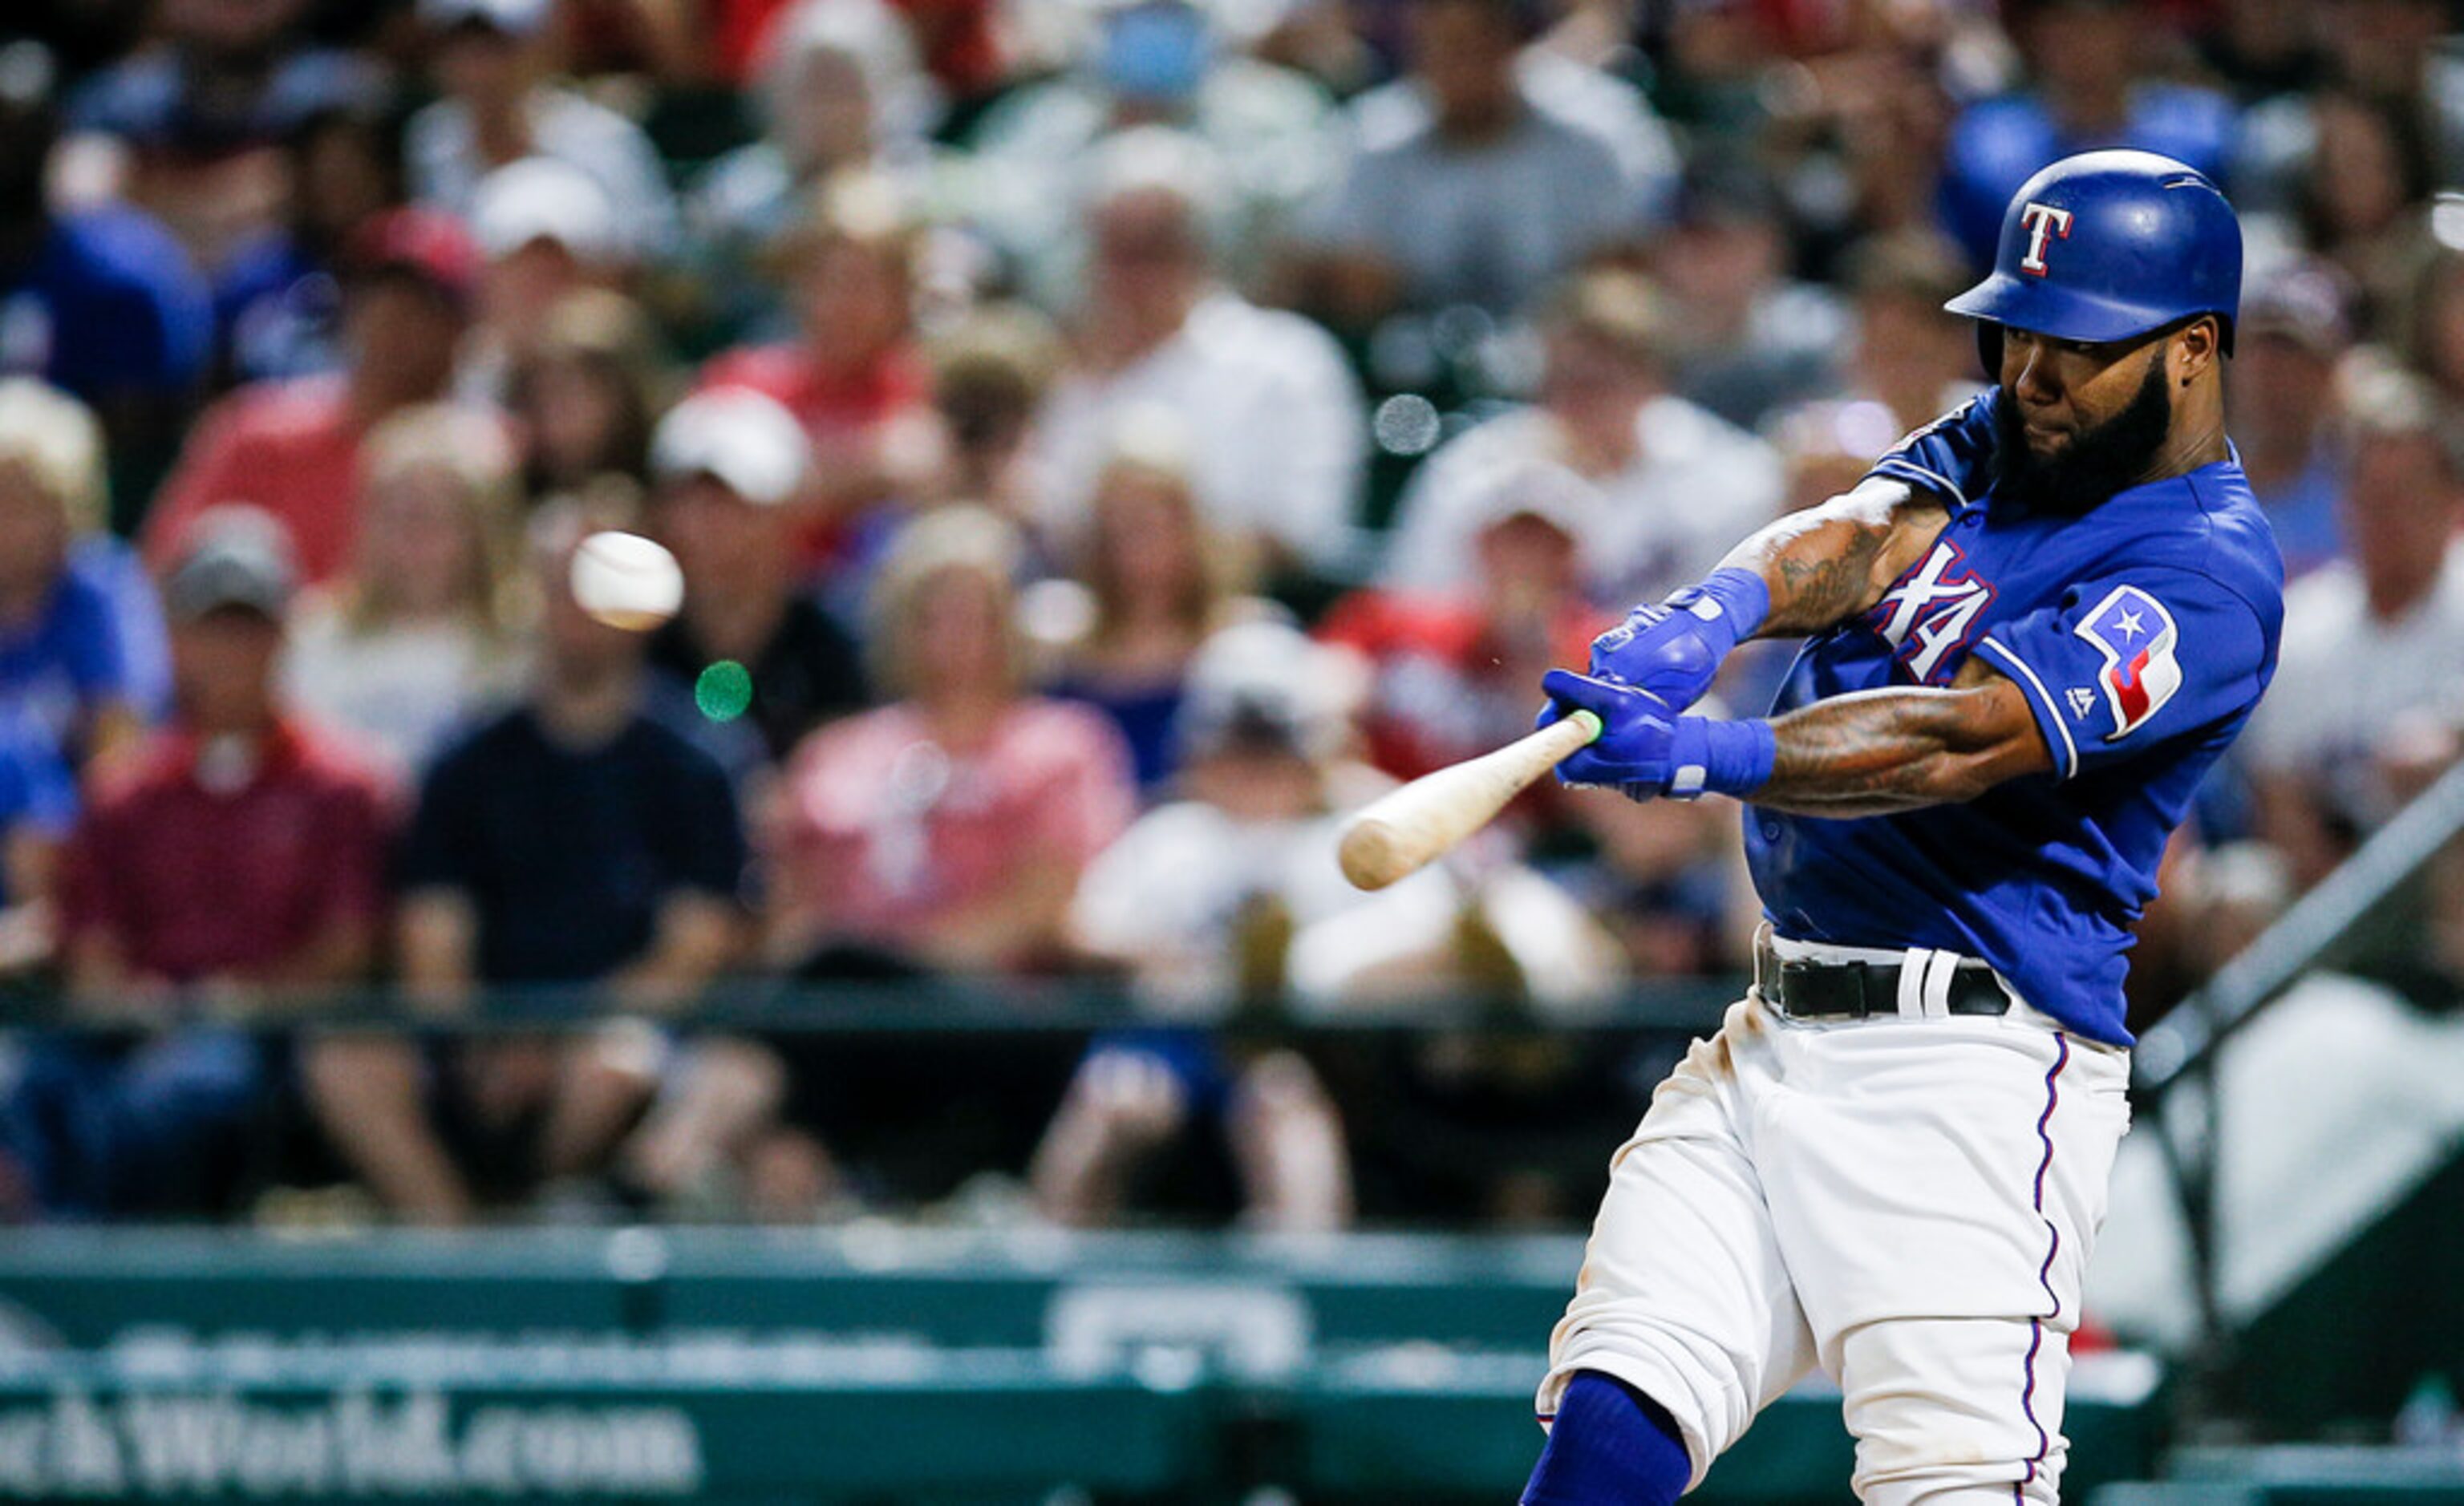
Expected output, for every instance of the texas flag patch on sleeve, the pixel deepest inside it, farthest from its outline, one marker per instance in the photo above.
(2137, 637)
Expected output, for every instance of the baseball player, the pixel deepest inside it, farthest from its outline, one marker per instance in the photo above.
(2032, 629)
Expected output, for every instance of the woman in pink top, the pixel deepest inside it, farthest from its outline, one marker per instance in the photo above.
(947, 830)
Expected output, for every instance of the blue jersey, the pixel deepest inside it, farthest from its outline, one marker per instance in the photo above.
(2141, 632)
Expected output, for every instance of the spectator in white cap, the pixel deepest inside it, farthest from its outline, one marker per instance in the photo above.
(730, 464)
(546, 228)
(498, 108)
(1272, 412)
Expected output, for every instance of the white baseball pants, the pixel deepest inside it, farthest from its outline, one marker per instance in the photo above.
(1906, 1202)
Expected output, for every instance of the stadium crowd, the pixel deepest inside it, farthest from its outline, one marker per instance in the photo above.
(1103, 440)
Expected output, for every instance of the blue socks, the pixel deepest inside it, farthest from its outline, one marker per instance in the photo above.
(1610, 1446)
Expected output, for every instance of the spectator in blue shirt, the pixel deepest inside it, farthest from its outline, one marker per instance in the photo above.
(83, 657)
(102, 303)
(2091, 91)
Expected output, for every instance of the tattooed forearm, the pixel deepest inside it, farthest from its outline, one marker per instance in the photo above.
(1879, 752)
(1828, 564)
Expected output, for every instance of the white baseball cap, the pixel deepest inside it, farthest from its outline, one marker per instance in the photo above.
(741, 438)
(541, 198)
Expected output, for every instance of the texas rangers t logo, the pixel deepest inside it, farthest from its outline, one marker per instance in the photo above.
(2136, 636)
(2044, 221)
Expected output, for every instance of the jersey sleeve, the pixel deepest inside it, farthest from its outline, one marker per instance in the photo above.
(2133, 659)
(1953, 457)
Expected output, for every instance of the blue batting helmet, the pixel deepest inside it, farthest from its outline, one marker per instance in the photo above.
(2107, 244)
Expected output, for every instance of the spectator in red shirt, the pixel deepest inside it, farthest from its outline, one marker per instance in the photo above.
(234, 864)
(855, 376)
(1450, 667)
(293, 447)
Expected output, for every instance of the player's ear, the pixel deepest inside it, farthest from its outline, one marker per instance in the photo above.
(2195, 349)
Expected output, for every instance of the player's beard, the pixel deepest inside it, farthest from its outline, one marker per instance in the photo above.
(2100, 461)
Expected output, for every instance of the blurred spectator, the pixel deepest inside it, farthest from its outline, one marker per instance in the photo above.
(2359, 203)
(1453, 672)
(1486, 176)
(2371, 643)
(2293, 330)
(1270, 410)
(1743, 337)
(497, 109)
(83, 661)
(203, 111)
(1157, 583)
(419, 633)
(2263, 48)
(1166, 63)
(277, 296)
(838, 89)
(1863, 129)
(1712, 80)
(658, 40)
(573, 839)
(1231, 897)
(945, 831)
(749, 643)
(584, 402)
(2092, 65)
(2434, 345)
(1826, 448)
(853, 375)
(39, 806)
(1910, 355)
(236, 862)
(990, 374)
(546, 231)
(101, 302)
(2393, 50)
(962, 41)
(1656, 488)
(293, 447)
(1203, 902)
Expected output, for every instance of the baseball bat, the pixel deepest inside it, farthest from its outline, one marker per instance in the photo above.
(1403, 830)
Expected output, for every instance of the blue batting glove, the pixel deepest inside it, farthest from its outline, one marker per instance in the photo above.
(1648, 750)
(1673, 648)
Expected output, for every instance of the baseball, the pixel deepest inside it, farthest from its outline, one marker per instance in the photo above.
(626, 580)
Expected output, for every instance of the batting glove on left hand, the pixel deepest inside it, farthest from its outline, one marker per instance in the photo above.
(1648, 750)
(1639, 748)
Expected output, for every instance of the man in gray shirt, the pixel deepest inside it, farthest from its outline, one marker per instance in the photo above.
(1484, 174)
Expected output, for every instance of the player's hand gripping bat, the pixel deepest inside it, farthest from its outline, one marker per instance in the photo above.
(1404, 830)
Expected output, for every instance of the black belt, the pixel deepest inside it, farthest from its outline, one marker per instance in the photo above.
(1803, 989)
